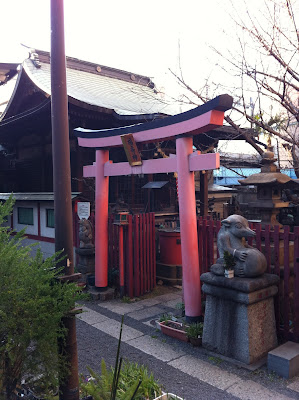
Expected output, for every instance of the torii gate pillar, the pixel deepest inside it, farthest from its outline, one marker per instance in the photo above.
(101, 219)
(188, 227)
(179, 127)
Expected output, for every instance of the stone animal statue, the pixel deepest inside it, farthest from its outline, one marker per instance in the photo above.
(250, 262)
(85, 234)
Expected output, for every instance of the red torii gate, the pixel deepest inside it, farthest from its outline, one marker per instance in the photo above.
(180, 127)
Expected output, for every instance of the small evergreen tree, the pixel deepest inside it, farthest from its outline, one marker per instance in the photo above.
(32, 303)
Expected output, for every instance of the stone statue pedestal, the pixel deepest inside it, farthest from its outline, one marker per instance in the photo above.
(86, 260)
(239, 316)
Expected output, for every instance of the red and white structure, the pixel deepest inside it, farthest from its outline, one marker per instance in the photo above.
(180, 127)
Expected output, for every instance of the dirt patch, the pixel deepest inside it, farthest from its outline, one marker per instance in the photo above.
(158, 291)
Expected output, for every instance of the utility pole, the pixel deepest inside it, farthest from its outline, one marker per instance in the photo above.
(69, 389)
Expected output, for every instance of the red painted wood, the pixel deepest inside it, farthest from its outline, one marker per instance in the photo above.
(211, 244)
(250, 240)
(136, 256)
(144, 254)
(199, 124)
(147, 236)
(141, 246)
(39, 238)
(277, 272)
(276, 250)
(130, 258)
(200, 250)
(267, 247)
(151, 251)
(286, 282)
(204, 246)
(121, 256)
(218, 226)
(154, 250)
(296, 284)
(258, 240)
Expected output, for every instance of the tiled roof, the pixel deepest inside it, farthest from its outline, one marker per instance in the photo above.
(95, 87)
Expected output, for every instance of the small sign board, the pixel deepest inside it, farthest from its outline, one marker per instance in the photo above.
(131, 149)
(83, 209)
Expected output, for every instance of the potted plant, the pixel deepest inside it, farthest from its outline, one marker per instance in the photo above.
(174, 329)
(229, 263)
(194, 333)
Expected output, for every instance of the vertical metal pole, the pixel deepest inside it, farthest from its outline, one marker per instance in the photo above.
(69, 389)
(188, 224)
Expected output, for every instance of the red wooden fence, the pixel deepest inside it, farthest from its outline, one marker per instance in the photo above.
(281, 249)
(139, 254)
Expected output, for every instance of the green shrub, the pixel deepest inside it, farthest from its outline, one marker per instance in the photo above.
(123, 382)
(194, 330)
(99, 386)
(32, 304)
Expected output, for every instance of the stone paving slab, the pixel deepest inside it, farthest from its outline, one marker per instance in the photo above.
(112, 328)
(250, 390)
(91, 317)
(121, 308)
(145, 313)
(169, 296)
(149, 302)
(156, 348)
(205, 372)
(173, 303)
(294, 385)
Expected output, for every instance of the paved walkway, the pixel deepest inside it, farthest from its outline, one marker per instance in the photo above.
(189, 372)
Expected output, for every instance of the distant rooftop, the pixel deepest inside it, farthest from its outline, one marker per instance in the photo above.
(123, 92)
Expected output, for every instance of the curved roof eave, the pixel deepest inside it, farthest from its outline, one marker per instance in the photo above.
(20, 72)
(127, 100)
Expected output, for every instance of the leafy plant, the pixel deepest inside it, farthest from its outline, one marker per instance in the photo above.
(194, 330)
(125, 381)
(32, 304)
(181, 307)
(165, 317)
(126, 299)
(229, 261)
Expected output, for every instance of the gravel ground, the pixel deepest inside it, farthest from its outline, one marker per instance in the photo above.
(93, 345)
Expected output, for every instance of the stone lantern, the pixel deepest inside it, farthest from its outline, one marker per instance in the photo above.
(269, 182)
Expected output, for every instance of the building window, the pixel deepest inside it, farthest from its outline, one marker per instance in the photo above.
(50, 218)
(25, 216)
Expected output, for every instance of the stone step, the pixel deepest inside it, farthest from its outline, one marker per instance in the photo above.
(284, 360)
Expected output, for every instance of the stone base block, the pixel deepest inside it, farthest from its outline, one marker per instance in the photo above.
(107, 295)
(284, 360)
(239, 317)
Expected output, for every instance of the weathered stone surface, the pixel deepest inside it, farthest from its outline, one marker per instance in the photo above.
(240, 324)
(240, 297)
(284, 360)
(246, 285)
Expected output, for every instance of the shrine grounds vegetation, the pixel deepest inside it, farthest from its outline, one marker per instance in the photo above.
(32, 304)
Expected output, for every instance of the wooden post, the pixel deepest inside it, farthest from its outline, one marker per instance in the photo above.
(101, 220)
(187, 208)
(121, 260)
(203, 194)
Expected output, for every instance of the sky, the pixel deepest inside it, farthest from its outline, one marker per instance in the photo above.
(137, 36)
(148, 38)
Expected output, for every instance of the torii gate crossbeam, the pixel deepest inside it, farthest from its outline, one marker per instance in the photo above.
(180, 127)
